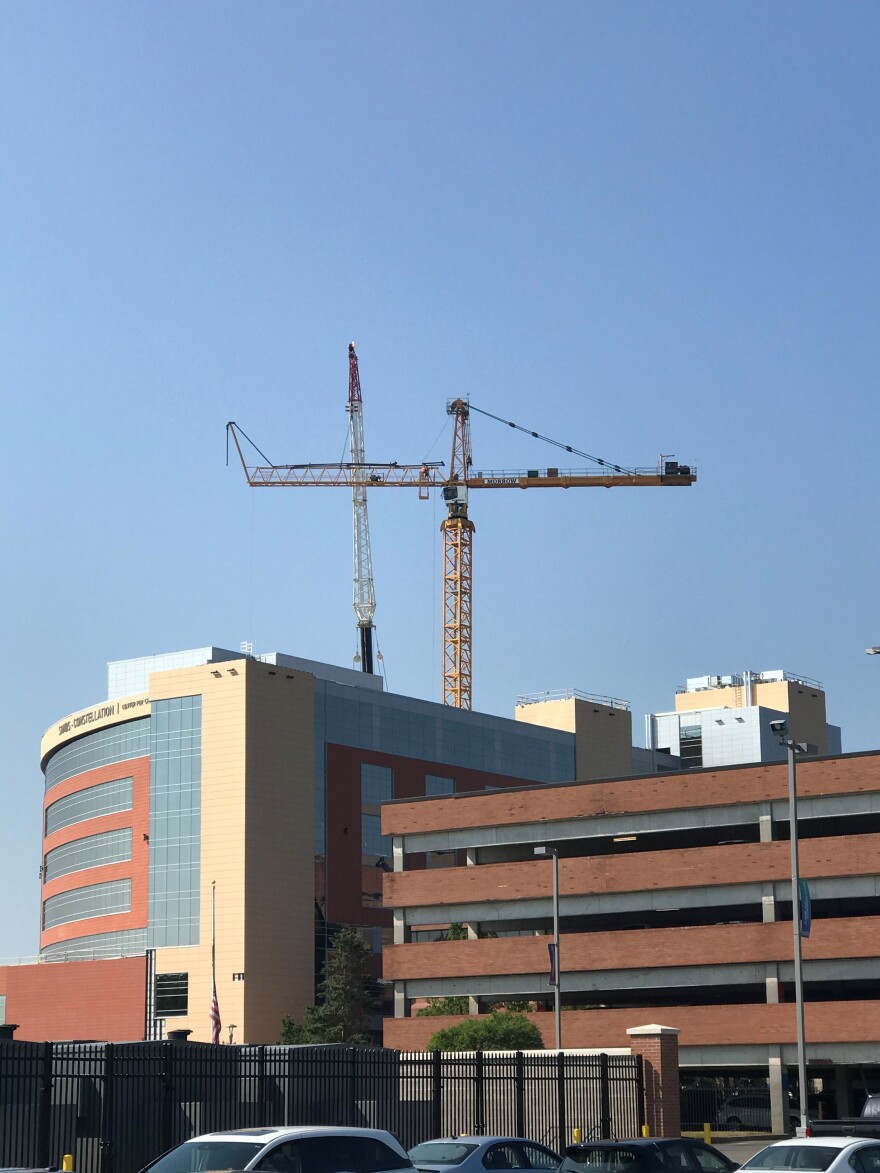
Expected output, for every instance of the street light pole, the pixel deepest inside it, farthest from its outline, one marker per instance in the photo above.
(780, 728)
(557, 968)
(796, 921)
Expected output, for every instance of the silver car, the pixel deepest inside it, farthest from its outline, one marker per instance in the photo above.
(287, 1150)
(476, 1154)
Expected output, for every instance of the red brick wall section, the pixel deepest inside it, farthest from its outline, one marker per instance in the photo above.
(850, 855)
(658, 1046)
(62, 1001)
(701, 1026)
(847, 774)
(653, 948)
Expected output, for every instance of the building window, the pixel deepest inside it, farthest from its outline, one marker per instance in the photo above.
(435, 785)
(175, 821)
(83, 903)
(377, 785)
(117, 744)
(373, 842)
(691, 747)
(172, 994)
(90, 852)
(91, 803)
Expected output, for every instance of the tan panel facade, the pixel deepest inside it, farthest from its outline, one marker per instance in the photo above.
(603, 734)
(256, 838)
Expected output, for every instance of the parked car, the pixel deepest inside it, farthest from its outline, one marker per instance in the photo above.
(749, 1111)
(646, 1156)
(286, 1150)
(866, 1125)
(820, 1154)
(475, 1154)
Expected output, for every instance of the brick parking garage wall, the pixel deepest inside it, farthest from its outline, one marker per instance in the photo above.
(658, 1046)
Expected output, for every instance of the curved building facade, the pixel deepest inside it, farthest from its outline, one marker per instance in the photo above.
(96, 822)
(218, 817)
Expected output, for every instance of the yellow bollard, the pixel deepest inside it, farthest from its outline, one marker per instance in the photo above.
(646, 1132)
(707, 1133)
(67, 1163)
(576, 1136)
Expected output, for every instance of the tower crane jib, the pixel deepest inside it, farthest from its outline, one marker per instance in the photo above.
(457, 527)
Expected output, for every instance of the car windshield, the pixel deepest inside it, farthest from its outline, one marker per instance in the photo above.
(201, 1156)
(793, 1156)
(440, 1152)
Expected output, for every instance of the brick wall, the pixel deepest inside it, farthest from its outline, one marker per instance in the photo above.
(763, 1024)
(100, 1000)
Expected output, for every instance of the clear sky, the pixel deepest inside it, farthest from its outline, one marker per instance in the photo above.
(634, 227)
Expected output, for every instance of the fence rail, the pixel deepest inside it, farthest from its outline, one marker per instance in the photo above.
(115, 1106)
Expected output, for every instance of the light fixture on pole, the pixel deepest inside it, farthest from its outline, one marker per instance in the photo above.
(555, 967)
(232, 1026)
(799, 909)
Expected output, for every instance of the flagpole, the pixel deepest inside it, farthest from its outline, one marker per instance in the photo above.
(215, 1010)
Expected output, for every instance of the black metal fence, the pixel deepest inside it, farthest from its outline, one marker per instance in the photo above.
(115, 1106)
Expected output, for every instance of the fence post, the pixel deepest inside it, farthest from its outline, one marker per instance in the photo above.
(480, 1093)
(560, 1099)
(519, 1093)
(352, 1086)
(437, 1094)
(261, 1085)
(45, 1107)
(106, 1158)
(604, 1097)
(167, 1138)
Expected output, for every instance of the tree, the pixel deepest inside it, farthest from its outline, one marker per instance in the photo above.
(500, 1031)
(346, 997)
(456, 932)
(456, 1004)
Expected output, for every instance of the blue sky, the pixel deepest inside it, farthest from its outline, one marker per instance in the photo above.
(637, 228)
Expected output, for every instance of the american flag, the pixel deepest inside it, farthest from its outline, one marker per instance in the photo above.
(215, 1016)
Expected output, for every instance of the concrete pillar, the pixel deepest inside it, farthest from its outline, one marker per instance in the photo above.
(841, 1093)
(401, 1002)
(470, 857)
(400, 933)
(771, 983)
(473, 1005)
(397, 853)
(778, 1096)
(658, 1046)
(765, 825)
(768, 909)
(472, 931)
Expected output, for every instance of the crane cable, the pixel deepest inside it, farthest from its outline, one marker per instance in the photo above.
(555, 443)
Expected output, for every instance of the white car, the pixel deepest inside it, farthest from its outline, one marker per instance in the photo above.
(819, 1154)
(287, 1150)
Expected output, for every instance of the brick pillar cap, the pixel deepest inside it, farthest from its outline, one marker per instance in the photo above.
(653, 1030)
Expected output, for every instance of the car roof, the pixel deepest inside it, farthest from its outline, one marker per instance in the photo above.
(289, 1132)
(828, 1142)
(478, 1140)
(638, 1141)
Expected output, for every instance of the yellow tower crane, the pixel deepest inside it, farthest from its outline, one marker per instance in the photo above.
(457, 528)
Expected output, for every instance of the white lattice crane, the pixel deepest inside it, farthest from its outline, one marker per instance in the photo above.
(364, 592)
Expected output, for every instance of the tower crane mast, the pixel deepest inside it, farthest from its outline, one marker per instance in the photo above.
(457, 527)
(364, 592)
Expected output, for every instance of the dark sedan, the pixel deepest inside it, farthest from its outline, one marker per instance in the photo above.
(654, 1155)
